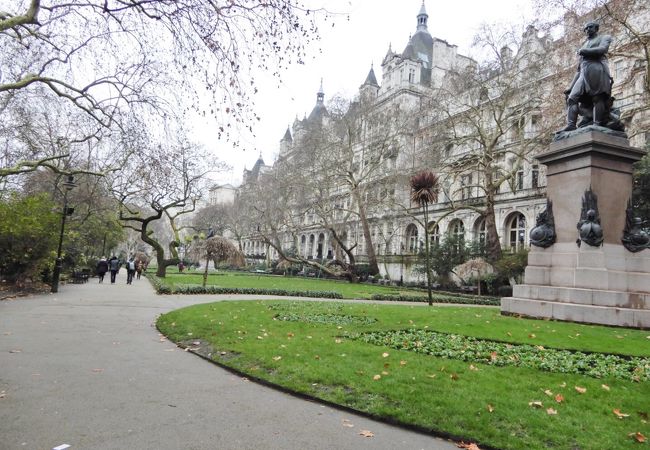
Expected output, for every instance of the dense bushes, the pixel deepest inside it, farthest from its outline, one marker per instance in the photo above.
(28, 236)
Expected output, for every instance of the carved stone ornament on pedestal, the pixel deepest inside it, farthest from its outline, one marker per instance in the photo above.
(543, 234)
(634, 237)
(589, 229)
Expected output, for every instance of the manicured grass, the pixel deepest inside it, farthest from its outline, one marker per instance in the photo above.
(315, 352)
(247, 280)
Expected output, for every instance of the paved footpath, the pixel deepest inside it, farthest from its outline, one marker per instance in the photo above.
(86, 367)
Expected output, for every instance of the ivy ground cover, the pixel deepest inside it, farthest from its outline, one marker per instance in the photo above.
(371, 358)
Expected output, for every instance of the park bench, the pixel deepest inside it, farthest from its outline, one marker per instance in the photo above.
(80, 276)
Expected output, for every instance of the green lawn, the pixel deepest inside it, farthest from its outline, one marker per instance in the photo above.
(313, 348)
(247, 280)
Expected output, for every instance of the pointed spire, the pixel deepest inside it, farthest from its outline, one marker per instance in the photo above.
(287, 136)
(371, 79)
(422, 18)
(320, 96)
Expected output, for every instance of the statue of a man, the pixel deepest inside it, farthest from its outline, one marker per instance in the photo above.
(592, 85)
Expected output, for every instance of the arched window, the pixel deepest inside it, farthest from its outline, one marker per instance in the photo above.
(516, 231)
(434, 232)
(412, 238)
(479, 230)
(457, 229)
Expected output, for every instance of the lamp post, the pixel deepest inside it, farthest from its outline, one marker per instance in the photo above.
(68, 184)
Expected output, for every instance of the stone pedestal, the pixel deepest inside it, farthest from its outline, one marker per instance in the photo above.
(604, 285)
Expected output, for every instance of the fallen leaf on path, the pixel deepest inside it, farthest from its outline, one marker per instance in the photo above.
(169, 349)
(98, 370)
(580, 390)
(619, 414)
(470, 446)
(366, 433)
(15, 351)
(3, 394)
(347, 423)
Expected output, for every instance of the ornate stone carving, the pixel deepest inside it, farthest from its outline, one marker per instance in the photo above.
(589, 229)
(634, 237)
(543, 235)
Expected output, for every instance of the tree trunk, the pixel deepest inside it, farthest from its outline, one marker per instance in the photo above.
(373, 267)
(427, 252)
(492, 244)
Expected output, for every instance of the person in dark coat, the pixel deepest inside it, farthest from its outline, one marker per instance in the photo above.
(102, 268)
(114, 267)
(130, 270)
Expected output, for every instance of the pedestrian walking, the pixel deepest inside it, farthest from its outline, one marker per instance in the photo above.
(102, 268)
(114, 267)
(139, 265)
(130, 270)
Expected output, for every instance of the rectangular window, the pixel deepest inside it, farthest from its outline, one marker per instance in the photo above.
(519, 182)
(535, 176)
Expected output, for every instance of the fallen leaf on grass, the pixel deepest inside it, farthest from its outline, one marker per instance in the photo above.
(551, 412)
(277, 358)
(383, 372)
(532, 336)
(402, 363)
(433, 375)
(338, 341)
(536, 404)
(563, 384)
(490, 408)
(385, 355)
(376, 377)
(290, 335)
(619, 414)
(548, 392)
(604, 386)
(473, 367)
(559, 398)
(493, 356)
(454, 376)
(580, 390)
(366, 433)
(638, 437)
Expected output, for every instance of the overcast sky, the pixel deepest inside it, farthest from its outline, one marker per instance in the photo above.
(347, 51)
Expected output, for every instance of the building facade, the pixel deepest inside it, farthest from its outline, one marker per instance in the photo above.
(476, 127)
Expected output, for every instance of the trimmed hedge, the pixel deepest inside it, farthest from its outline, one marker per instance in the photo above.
(437, 298)
(192, 289)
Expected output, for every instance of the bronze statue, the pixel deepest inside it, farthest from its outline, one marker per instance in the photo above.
(591, 88)
(543, 235)
(634, 237)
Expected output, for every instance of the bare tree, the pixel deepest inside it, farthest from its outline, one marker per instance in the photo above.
(156, 181)
(491, 122)
(169, 51)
